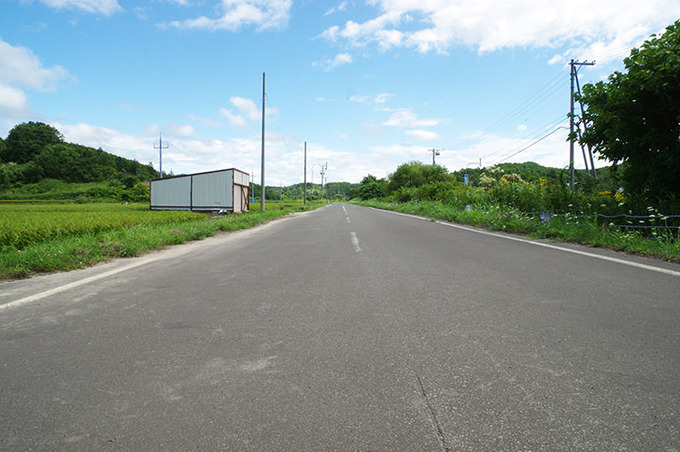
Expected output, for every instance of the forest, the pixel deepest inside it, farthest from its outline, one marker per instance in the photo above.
(37, 163)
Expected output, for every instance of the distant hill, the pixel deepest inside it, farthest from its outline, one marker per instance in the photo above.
(35, 151)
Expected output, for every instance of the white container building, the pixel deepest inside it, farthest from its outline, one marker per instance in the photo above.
(213, 191)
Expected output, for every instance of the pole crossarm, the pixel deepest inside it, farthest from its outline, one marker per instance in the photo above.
(434, 152)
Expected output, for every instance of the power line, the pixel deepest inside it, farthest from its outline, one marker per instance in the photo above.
(532, 135)
(278, 127)
(530, 145)
(552, 87)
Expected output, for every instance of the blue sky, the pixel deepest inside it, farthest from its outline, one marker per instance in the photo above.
(368, 84)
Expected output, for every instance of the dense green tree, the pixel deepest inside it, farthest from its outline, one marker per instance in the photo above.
(634, 119)
(76, 163)
(415, 174)
(3, 146)
(370, 188)
(27, 140)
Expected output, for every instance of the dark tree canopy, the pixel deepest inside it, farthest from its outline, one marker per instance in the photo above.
(29, 139)
(634, 119)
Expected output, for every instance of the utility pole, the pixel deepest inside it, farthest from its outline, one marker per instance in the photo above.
(573, 72)
(160, 148)
(323, 173)
(262, 190)
(304, 196)
(434, 152)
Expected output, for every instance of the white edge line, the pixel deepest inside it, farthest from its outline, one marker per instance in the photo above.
(546, 245)
(143, 260)
(65, 287)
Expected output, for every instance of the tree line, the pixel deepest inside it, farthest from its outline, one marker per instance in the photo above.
(35, 151)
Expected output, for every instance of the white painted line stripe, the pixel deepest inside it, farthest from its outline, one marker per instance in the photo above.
(66, 287)
(546, 245)
(165, 254)
(568, 250)
(355, 241)
(348, 220)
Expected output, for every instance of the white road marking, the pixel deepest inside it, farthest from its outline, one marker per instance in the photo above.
(346, 214)
(65, 287)
(355, 241)
(546, 245)
(169, 253)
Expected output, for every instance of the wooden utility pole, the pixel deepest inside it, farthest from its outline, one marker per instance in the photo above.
(304, 196)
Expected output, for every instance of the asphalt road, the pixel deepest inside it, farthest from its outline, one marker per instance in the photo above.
(346, 329)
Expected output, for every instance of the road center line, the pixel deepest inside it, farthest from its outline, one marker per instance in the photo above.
(546, 245)
(355, 241)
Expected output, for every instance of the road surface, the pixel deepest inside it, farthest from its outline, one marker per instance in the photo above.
(346, 329)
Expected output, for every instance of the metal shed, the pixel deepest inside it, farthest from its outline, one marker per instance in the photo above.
(212, 191)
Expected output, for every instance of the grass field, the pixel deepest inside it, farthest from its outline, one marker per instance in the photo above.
(57, 237)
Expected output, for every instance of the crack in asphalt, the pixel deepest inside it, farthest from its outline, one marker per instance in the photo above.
(433, 416)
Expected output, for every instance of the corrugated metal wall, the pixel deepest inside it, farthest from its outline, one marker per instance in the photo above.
(171, 194)
(215, 190)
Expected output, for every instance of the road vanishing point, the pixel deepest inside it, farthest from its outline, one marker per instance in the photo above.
(346, 329)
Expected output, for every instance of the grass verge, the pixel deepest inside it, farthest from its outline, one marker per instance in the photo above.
(72, 251)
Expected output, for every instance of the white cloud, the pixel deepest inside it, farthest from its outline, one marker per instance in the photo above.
(234, 119)
(372, 99)
(247, 111)
(181, 130)
(106, 7)
(341, 7)
(264, 14)
(331, 63)
(423, 135)
(404, 117)
(21, 70)
(183, 155)
(12, 98)
(20, 66)
(246, 107)
(206, 122)
(490, 25)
